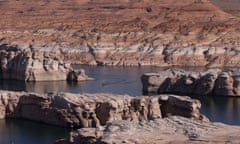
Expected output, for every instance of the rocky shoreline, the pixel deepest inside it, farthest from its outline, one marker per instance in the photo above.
(136, 54)
(173, 129)
(93, 110)
(108, 118)
(213, 82)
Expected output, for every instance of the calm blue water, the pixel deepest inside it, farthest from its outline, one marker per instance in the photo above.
(27, 132)
(117, 80)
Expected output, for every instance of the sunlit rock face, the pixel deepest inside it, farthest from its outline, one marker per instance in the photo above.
(214, 82)
(124, 33)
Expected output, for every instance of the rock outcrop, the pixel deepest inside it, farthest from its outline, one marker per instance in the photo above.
(93, 110)
(214, 82)
(127, 32)
(173, 129)
(28, 66)
(107, 118)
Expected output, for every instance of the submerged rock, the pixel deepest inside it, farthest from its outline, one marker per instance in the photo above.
(212, 82)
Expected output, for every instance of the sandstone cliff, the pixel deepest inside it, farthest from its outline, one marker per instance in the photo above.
(27, 66)
(214, 82)
(128, 32)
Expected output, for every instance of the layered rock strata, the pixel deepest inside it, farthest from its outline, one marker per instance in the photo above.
(214, 82)
(28, 66)
(93, 110)
(128, 32)
(174, 129)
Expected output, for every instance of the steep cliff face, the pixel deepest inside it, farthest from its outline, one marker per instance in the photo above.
(100, 32)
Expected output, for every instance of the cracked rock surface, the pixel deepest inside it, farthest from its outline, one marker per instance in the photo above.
(174, 129)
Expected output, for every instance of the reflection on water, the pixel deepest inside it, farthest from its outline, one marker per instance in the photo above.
(26, 132)
(117, 80)
(221, 109)
(41, 87)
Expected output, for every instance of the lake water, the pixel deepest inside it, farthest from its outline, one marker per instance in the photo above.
(117, 80)
(27, 132)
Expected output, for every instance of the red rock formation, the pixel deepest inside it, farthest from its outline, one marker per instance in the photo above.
(212, 82)
(128, 32)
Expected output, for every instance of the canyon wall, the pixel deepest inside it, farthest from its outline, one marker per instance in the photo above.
(214, 82)
(123, 33)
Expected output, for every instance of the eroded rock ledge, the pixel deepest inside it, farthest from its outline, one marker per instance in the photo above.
(28, 66)
(213, 82)
(174, 129)
(93, 110)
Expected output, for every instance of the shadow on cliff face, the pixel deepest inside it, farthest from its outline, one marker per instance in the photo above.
(6, 47)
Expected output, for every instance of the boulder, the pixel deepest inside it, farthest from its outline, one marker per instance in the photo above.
(77, 75)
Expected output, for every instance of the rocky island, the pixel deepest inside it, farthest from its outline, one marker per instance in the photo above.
(213, 82)
(108, 118)
(93, 110)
